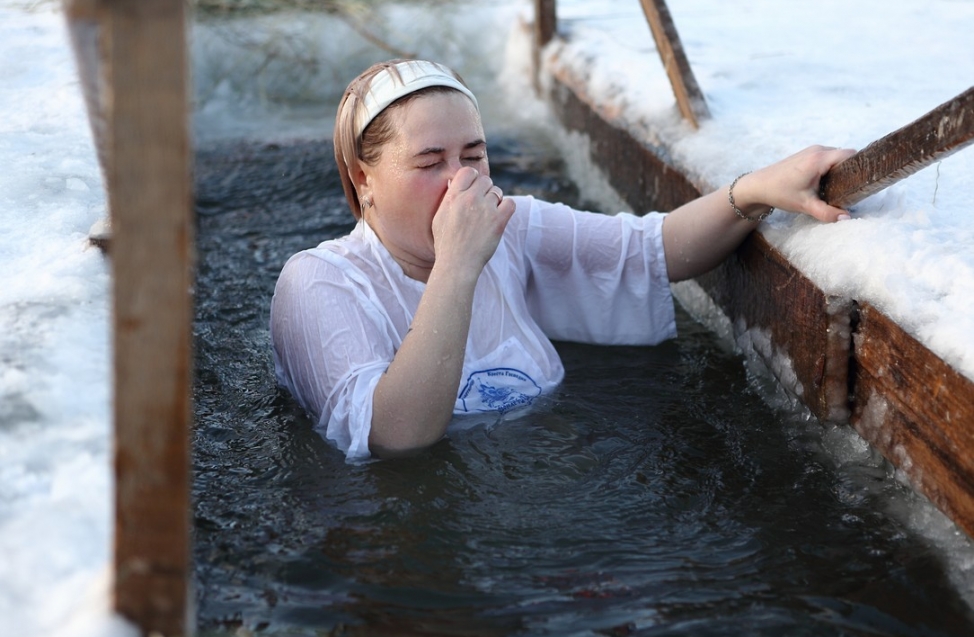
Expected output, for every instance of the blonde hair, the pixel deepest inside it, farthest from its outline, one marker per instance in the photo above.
(352, 146)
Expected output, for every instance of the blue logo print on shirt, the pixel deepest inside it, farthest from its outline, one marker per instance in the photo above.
(500, 389)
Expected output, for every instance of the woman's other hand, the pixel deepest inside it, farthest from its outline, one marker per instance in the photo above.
(793, 184)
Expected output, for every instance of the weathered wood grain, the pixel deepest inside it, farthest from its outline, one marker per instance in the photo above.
(917, 411)
(802, 334)
(689, 97)
(641, 177)
(937, 134)
(143, 99)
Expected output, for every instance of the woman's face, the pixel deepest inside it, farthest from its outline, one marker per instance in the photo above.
(436, 135)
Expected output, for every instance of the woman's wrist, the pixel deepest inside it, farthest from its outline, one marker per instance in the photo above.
(743, 206)
(461, 272)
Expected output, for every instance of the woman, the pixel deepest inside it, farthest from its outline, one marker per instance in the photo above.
(443, 298)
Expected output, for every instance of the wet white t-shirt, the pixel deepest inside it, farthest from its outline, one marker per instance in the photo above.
(341, 310)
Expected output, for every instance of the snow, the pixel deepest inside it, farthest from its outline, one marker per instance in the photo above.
(781, 76)
(777, 76)
(55, 485)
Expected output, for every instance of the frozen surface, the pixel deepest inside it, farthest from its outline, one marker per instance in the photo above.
(55, 482)
(777, 76)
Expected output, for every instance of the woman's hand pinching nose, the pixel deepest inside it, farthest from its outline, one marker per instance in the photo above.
(463, 179)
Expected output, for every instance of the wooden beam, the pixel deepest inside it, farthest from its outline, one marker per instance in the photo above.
(941, 132)
(144, 66)
(545, 25)
(689, 98)
(918, 412)
(545, 21)
(802, 335)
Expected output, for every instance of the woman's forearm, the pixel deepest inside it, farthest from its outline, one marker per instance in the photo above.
(413, 401)
(699, 235)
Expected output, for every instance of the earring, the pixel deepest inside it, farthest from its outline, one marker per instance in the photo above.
(367, 202)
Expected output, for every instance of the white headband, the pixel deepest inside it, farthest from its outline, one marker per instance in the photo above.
(414, 75)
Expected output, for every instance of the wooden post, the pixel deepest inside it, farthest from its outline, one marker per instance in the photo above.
(141, 77)
(689, 98)
(545, 24)
(937, 134)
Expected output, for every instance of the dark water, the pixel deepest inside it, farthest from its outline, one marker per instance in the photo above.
(654, 494)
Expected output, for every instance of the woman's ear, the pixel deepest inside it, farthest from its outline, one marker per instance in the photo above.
(362, 183)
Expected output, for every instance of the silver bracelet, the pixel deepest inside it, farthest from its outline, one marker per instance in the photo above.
(738, 211)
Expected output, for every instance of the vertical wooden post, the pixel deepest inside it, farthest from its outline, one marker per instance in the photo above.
(689, 98)
(545, 24)
(144, 60)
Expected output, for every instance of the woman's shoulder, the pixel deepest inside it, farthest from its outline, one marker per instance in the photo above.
(341, 258)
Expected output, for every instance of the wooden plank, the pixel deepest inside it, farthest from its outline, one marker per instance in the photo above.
(918, 412)
(941, 132)
(545, 26)
(143, 45)
(689, 97)
(643, 180)
(545, 21)
(802, 334)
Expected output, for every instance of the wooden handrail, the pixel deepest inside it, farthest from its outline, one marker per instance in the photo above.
(935, 135)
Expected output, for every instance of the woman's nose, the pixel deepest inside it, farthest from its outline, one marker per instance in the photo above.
(450, 170)
(453, 165)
